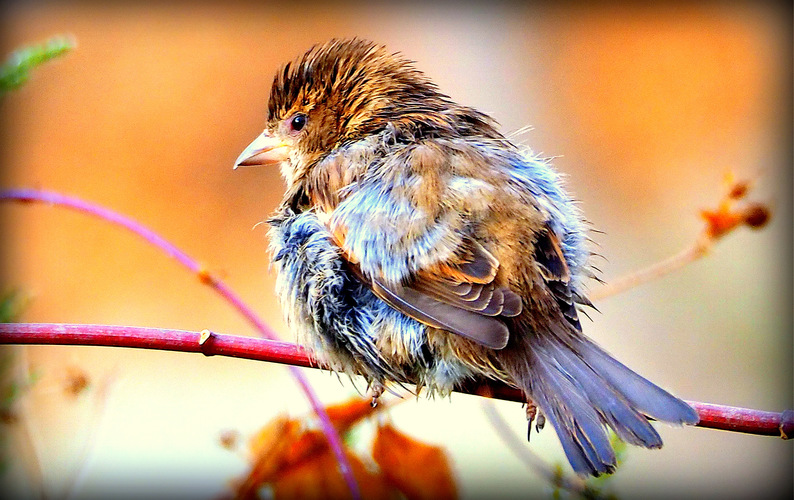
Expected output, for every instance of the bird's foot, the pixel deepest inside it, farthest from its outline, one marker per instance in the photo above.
(534, 415)
(376, 389)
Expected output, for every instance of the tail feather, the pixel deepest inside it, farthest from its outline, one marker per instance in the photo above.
(639, 391)
(582, 390)
(577, 423)
(613, 407)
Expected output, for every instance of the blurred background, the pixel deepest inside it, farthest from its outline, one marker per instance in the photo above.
(645, 109)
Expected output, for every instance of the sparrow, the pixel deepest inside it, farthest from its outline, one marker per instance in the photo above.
(416, 244)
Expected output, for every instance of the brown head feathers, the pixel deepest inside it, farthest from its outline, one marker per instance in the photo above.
(360, 87)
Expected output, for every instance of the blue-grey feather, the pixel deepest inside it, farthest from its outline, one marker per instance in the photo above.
(339, 317)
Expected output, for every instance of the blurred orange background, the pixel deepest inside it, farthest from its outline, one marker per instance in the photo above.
(645, 110)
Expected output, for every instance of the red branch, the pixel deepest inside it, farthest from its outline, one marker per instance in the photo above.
(712, 416)
(49, 197)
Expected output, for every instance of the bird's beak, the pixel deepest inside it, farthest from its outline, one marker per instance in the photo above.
(265, 150)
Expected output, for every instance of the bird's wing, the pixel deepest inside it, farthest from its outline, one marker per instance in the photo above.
(467, 282)
(460, 298)
(418, 257)
(556, 274)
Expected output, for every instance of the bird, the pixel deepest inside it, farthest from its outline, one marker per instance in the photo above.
(416, 244)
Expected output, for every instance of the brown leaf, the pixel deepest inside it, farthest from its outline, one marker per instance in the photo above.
(727, 216)
(738, 189)
(721, 221)
(756, 215)
(305, 447)
(319, 478)
(297, 463)
(269, 450)
(229, 439)
(346, 415)
(418, 470)
(75, 382)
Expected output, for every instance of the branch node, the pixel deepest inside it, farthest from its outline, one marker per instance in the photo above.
(204, 337)
(205, 276)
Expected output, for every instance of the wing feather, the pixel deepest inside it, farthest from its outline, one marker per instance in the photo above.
(486, 330)
(554, 268)
(467, 307)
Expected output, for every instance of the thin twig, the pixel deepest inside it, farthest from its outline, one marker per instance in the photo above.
(530, 458)
(53, 198)
(731, 213)
(712, 416)
(655, 271)
(101, 395)
(35, 469)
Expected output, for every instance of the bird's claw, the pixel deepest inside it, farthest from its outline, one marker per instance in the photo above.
(534, 415)
(376, 390)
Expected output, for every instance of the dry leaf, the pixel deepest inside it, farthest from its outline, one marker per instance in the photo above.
(319, 478)
(269, 448)
(297, 463)
(346, 415)
(229, 439)
(75, 382)
(721, 221)
(418, 470)
(727, 217)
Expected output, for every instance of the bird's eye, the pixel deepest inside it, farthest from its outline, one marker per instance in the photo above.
(297, 122)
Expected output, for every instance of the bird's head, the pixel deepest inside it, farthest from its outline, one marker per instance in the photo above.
(343, 91)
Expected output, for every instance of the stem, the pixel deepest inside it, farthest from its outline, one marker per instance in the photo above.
(729, 418)
(53, 198)
(530, 458)
(655, 271)
(151, 237)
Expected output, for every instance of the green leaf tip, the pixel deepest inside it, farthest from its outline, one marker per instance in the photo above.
(16, 70)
